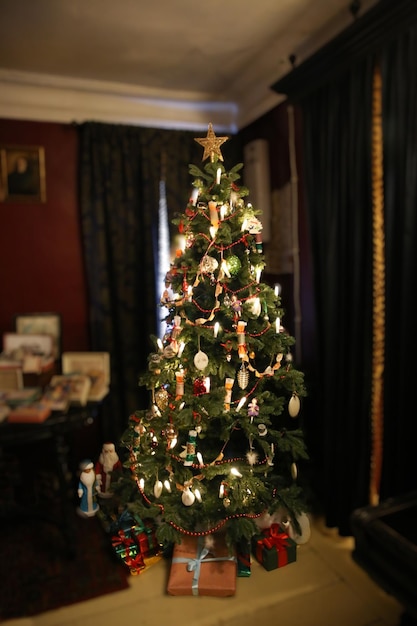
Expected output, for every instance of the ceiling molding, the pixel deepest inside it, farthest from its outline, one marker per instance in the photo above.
(39, 97)
(365, 35)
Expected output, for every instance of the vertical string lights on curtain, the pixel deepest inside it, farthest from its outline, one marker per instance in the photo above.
(163, 240)
(294, 234)
(378, 339)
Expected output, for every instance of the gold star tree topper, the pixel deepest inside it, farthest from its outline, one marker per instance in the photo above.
(211, 144)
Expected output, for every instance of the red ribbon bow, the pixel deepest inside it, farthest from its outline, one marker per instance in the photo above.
(121, 539)
(275, 538)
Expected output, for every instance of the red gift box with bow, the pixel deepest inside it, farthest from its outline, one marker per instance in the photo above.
(274, 548)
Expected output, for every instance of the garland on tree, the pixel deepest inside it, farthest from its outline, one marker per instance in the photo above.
(219, 444)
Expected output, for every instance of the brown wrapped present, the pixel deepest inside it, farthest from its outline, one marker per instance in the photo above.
(200, 571)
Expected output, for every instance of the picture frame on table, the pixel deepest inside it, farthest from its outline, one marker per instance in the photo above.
(95, 365)
(41, 324)
(22, 174)
(74, 387)
(33, 352)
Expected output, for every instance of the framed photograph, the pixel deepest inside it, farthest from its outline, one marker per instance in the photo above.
(22, 174)
(75, 386)
(11, 378)
(41, 324)
(95, 365)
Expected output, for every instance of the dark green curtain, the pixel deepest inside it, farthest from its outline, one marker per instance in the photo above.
(121, 168)
(120, 174)
(399, 76)
(337, 166)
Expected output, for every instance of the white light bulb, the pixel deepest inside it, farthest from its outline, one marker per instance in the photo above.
(235, 472)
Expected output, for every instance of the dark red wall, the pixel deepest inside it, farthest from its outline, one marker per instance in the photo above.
(41, 260)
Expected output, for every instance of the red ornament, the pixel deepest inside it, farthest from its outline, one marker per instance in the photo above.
(199, 387)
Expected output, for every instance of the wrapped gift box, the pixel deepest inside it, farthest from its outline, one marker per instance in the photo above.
(198, 571)
(129, 552)
(243, 558)
(273, 548)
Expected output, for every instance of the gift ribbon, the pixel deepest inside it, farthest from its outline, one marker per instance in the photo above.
(274, 539)
(122, 540)
(194, 565)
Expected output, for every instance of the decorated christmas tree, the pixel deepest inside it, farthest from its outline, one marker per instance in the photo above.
(220, 443)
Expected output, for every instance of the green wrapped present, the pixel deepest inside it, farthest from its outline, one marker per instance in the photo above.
(273, 548)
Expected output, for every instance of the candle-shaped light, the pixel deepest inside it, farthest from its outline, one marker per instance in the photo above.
(141, 484)
(200, 459)
(235, 472)
(216, 329)
(228, 397)
(160, 344)
(213, 231)
(179, 390)
(277, 325)
(241, 403)
(221, 490)
(218, 175)
(181, 347)
(223, 211)
(194, 196)
(214, 216)
(167, 485)
(197, 494)
(258, 273)
(277, 289)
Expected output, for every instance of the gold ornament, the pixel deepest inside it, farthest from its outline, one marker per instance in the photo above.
(243, 377)
(211, 144)
(161, 398)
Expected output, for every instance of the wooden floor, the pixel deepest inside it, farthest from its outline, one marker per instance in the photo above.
(324, 587)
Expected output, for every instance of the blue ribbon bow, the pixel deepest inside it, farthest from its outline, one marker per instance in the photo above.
(194, 565)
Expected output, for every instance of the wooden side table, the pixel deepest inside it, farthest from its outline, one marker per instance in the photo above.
(48, 448)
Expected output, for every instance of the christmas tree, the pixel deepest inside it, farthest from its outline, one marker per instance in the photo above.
(219, 444)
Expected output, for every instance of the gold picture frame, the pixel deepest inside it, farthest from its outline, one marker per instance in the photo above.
(22, 174)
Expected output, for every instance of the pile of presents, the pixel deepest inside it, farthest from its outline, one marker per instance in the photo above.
(200, 565)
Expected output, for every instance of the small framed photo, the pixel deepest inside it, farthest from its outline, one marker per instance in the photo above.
(22, 170)
(74, 386)
(95, 365)
(41, 324)
(11, 378)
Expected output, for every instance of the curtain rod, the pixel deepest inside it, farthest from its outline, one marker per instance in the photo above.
(383, 22)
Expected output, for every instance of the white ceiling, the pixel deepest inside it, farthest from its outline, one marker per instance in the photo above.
(166, 63)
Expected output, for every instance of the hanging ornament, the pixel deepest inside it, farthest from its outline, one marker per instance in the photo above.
(226, 502)
(243, 376)
(157, 488)
(262, 430)
(294, 471)
(190, 448)
(161, 398)
(170, 432)
(253, 408)
(170, 350)
(294, 405)
(254, 305)
(201, 360)
(234, 265)
(188, 498)
(252, 457)
(199, 387)
(208, 264)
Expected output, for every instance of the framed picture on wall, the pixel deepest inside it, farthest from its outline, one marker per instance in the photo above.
(41, 324)
(22, 174)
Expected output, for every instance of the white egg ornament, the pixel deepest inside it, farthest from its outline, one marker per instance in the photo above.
(157, 488)
(187, 497)
(294, 405)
